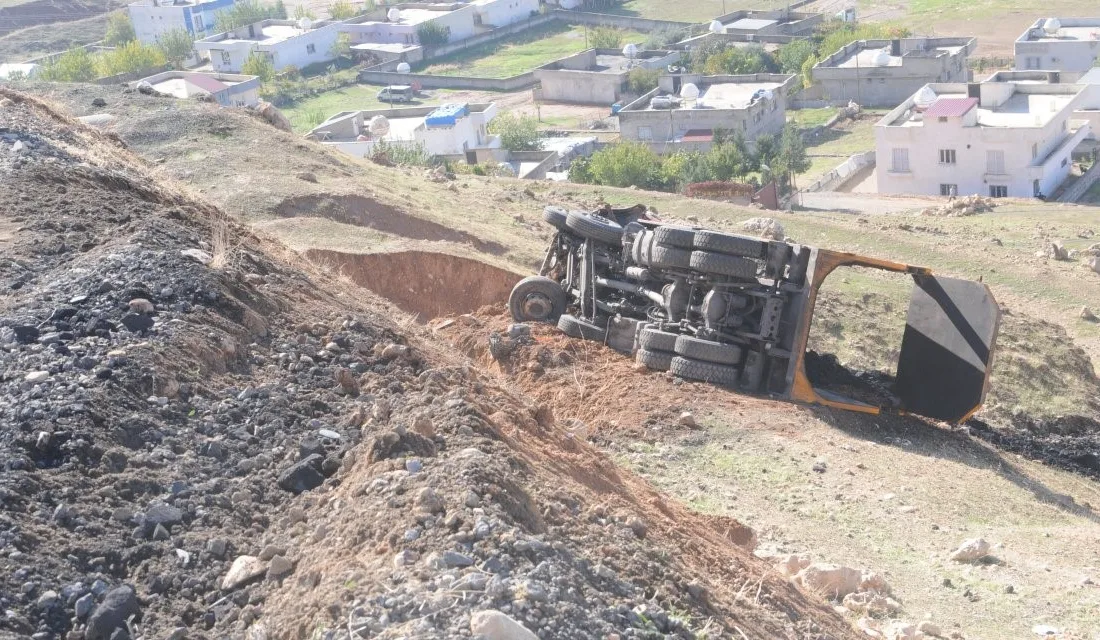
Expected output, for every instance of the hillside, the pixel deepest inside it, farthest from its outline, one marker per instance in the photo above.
(897, 494)
(207, 436)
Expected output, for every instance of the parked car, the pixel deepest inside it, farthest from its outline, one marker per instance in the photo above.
(396, 93)
(736, 311)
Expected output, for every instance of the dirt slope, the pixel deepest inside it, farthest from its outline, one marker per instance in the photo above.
(170, 383)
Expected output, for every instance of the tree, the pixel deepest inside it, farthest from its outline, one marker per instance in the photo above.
(641, 80)
(132, 57)
(302, 11)
(606, 38)
(808, 71)
(626, 164)
(258, 64)
(793, 55)
(246, 12)
(342, 10)
(739, 60)
(119, 29)
(431, 34)
(75, 65)
(767, 148)
(792, 159)
(517, 132)
(341, 47)
(725, 162)
(682, 168)
(178, 45)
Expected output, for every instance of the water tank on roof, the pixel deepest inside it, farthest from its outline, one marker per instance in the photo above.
(379, 126)
(661, 102)
(925, 97)
(717, 27)
(394, 15)
(305, 24)
(880, 58)
(403, 67)
(630, 51)
(1052, 25)
(689, 92)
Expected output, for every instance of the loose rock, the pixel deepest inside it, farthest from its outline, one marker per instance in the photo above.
(494, 625)
(971, 550)
(244, 570)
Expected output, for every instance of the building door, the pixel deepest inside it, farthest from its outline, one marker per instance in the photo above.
(251, 31)
(1035, 190)
(471, 157)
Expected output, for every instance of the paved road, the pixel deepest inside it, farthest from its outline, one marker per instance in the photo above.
(864, 203)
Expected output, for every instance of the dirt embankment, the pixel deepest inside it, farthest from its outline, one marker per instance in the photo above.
(29, 14)
(208, 439)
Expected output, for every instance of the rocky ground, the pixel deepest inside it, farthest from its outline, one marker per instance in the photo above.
(202, 438)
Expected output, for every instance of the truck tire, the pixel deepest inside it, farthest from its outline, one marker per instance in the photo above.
(723, 265)
(574, 327)
(537, 299)
(594, 227)
(555, 217)
(707, 350)
(730, 244)
(704, 371)
(676, 237)
(656, 360)
(662, 257)
(653, 339)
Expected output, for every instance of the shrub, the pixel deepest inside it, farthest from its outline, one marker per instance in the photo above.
(178, 45)
(517, 132)
(626, 164)
(119, 29)
(606, 38)
(641, 80)
(258, 64)
(132, 57)
(302, 11)
(793, 55)
(390, 154)
(246, 12)
(342, 10)
(431, 34)
(663, 38)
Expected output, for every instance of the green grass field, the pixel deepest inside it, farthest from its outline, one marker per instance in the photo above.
(514, 57)
(306, 114)
(693, 11)
(833, 146)
(810, 118)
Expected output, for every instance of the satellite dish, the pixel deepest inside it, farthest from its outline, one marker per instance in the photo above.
(717, 27)
(768, 94)
(403, 67)
(880, 58)
(925, 97)
(394, 15)
(378, 126)
(305, 24)
(630, 51)
(689, 92)
(1052, 25)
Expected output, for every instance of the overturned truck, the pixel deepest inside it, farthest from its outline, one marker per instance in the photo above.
(736, 311)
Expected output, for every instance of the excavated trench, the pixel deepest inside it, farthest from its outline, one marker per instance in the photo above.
(428, 285)
(362, 211)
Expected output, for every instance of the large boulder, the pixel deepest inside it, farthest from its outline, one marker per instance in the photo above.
(971, 550)
(494, 625)
(829, 580)
(118, 605)
(764, 227)
(273, 116)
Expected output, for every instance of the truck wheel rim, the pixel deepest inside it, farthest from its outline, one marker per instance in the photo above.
(537, 306)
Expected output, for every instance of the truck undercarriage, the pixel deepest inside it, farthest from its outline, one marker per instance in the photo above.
(736, 310)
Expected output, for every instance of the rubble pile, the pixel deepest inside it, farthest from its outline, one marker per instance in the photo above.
(964, 206)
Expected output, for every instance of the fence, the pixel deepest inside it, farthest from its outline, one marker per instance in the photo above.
(1078, 188)
(837, 177)
(429, 81)
(622, 22)
(490, 36)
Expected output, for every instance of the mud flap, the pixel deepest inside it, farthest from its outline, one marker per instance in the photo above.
(622, 333)
(947, 350)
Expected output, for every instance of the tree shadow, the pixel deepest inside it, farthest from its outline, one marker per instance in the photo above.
(914, 435)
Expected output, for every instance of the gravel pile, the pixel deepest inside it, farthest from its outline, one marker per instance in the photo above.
(201, 440)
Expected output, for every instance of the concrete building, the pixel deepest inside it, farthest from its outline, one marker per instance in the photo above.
(770, 23)
(751, 104)
(884, 73)
(450, 129)
(501, 13)
(285, 43)
(227, 89)
(996, 139)
(22, 71)
(596, 76)
(1059, 44)
(154, 17)
(458, 19)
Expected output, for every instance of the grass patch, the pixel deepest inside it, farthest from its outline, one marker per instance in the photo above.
(832, 146)
(810, 118)
(304, 114)
(504, 59)
(694, 11)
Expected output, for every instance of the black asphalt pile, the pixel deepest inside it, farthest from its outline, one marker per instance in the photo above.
(200, 439)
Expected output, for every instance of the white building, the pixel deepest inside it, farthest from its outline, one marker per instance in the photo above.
(457, 19)
(997, 139)
(286, 43)
(446, 130)
(227, 89)
(22, 71)
(1059, 44)
(154, 17)
(501, 13)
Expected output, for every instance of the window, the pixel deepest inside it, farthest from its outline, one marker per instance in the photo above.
(947, 156)
(645, 133)
(998, 191)
(1034, 150)
(900, 161)
(943, 118)
(949, 189)
(198, 23)
(311, 49)
(1063, 125)
(1064, 160)
(225, 57)
(995, 162)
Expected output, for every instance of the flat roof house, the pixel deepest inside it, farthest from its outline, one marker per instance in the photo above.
(1059, 44)
(753, 104)
(456, 18)
(596, 76)
(298, 43)
(884, 73)
(1001, 139)
(501, 13)
(154, 17)
(448, 129)
(227, 89)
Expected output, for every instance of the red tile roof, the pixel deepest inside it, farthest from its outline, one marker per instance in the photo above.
(205, 82)
(698, 135)
(950, 107)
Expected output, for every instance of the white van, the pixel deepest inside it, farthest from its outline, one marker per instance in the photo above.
(396, 93)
